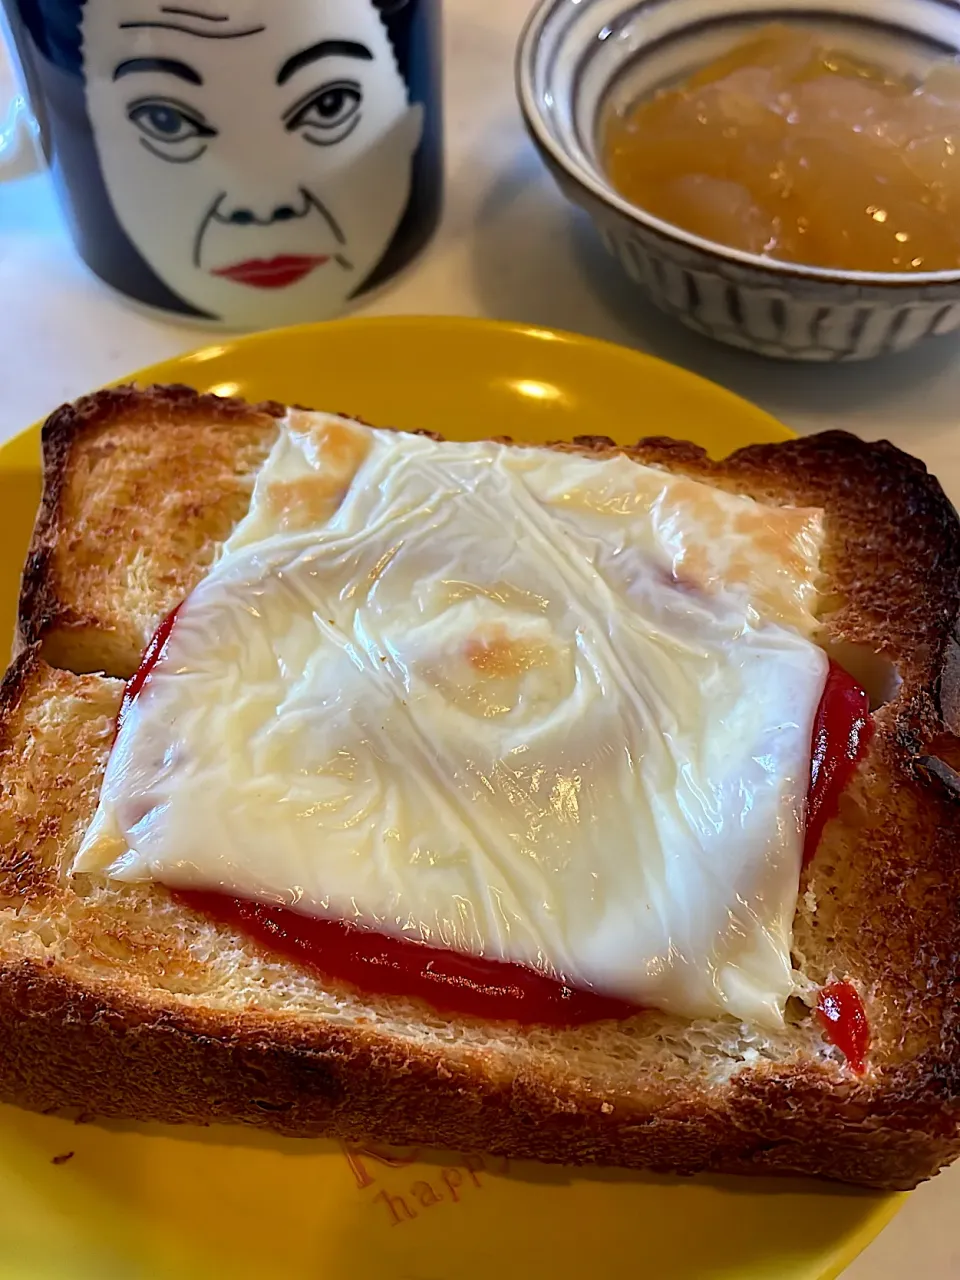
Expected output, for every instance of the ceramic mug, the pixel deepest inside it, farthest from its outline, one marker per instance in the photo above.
(244, 163)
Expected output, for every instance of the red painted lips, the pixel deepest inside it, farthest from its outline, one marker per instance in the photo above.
(272, 273)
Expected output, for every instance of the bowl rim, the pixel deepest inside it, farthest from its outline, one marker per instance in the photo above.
(603, 191)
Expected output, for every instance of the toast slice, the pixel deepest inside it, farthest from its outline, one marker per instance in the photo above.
(118, 999)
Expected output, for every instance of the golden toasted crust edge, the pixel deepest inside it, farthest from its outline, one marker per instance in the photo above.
(46, 610)
(63, 1045)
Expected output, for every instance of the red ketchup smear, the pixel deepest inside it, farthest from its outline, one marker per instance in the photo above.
(844, 1022)
(455, 983)
(152, 655)
(375, 962)
(841, 733)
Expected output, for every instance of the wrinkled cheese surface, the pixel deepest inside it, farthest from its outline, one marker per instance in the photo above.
(527, 704)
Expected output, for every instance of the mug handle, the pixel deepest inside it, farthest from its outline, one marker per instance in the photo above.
(21, 151)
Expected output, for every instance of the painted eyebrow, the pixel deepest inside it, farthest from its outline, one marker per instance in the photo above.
(203, 35)
(325, 49)
(170, 65)
(194, 13)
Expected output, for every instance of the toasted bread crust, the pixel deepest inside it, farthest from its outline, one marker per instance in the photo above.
(124, 471)
(885, 897)
(66, 1045)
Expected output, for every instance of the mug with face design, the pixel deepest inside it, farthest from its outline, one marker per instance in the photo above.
(244, 163)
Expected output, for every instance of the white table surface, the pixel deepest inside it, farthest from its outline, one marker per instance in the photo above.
(511, 248)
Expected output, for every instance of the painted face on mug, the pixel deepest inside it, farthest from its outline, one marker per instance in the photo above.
(258, 154)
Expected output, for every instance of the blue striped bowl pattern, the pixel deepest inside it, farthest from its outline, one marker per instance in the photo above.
(579, 58)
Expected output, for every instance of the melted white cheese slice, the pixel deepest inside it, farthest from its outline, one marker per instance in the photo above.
(522, 703)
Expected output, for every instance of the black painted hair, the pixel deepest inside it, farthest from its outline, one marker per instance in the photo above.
(54, 26)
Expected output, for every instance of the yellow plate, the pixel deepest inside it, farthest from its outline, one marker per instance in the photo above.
(154, 1202)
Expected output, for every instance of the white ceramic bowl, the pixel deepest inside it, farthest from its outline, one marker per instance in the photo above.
(576, 56)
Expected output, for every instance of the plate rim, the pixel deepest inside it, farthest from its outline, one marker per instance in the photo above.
(235, 345)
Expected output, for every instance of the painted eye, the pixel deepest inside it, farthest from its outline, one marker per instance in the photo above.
(327, 115)
(167, 122)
